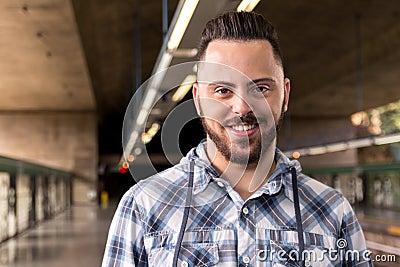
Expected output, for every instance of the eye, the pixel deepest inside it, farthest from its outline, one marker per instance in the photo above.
(223, 91)
(261, 88)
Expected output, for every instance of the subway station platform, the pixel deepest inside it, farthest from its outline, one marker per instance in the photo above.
(69, 68)
(382, 232)
(77, 236)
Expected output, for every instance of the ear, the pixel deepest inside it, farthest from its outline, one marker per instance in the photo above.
(286, 85)
(196, 97)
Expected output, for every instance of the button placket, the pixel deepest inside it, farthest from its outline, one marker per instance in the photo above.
(246, 240)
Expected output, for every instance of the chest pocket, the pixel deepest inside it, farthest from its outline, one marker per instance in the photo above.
(281, 248)
(196, 249)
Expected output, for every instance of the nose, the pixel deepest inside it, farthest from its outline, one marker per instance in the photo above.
(240, 106)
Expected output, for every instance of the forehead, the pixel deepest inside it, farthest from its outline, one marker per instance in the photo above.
(253, 59)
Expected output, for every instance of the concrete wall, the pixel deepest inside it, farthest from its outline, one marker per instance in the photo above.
(61, 140)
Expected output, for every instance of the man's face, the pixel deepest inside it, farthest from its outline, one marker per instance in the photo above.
(241, 95)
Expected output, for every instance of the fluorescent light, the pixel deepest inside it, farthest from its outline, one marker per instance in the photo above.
(132, 138)
(149, 98)
(160, 71)
(365, 142)
(337, 147)
(247, 5)
(382, 140)
(163, 64)
(137, 151)
(142, 117)
(181, 23)
(131, 142)
(341, 146)
(185, 53)
(153, 129)
(317, 150)
(184, 88)
(147, 136)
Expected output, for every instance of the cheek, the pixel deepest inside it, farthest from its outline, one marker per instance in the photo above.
(213, 110)
(216, 128)
(275, 107)
(214, 125)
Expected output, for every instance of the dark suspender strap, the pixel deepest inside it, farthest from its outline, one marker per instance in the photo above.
(185, 215)
(298, 214)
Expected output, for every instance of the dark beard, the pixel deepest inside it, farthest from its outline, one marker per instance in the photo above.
(280, 120)
(260, 147)
(226, 150)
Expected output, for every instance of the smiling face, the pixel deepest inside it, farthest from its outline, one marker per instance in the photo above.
(241, 94)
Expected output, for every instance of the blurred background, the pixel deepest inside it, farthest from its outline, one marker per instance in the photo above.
(69, 69)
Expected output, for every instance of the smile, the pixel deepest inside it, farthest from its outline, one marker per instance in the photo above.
(243, 128)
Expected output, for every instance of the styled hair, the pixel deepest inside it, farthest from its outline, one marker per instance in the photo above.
(239, 26)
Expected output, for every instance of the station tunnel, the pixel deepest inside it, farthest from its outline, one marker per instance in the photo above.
(95, 97)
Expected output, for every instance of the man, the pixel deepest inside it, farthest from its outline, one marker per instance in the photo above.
(236, 200)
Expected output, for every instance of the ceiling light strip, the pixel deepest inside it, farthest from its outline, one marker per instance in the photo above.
(345, 145)
(181, 24)
(247, 5)
(184, 88)
(388, 139)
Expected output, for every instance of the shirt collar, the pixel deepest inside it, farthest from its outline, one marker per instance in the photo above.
(204, 172)
(282, 173)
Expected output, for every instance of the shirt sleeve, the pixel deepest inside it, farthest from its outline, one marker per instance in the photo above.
(125, 246)
(351, 245)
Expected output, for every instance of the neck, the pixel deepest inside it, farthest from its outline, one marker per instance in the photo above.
(245, 179)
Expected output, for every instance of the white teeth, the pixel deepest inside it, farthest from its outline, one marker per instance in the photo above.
(242, 128)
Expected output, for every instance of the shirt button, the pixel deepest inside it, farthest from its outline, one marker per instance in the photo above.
(184, 264)
(246, 259)
(220, 184)
(245, 210)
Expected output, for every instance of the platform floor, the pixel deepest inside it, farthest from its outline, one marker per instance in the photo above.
(75, 237)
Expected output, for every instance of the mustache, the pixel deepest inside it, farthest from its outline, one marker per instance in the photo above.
(249, 118)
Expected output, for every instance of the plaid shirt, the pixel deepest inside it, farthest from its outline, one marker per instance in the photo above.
(224, 230)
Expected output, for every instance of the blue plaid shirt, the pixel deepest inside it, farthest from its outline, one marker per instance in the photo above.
(224, 230)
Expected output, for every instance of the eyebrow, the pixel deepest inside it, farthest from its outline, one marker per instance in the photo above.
(229, 84)
(270, 80)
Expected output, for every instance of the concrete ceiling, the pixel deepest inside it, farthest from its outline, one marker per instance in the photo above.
(42, 67)
(80, 55)
(324, 55)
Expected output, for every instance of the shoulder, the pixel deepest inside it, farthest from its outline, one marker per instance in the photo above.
(165, 186)
(320, 198)
(309, 188)
(176, 176)
(312, 187)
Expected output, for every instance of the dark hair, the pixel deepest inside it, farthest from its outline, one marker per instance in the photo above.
(239, 26)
